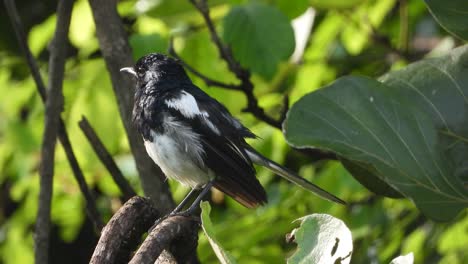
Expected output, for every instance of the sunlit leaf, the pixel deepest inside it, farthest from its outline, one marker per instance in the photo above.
(82, 29)
(454, 238)
(41, 35)
(322, 238)
(367, 16)
(335, 4)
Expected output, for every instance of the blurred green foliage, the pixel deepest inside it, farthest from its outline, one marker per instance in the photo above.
(357, 38)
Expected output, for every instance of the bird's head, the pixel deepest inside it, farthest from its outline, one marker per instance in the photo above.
(156, 68)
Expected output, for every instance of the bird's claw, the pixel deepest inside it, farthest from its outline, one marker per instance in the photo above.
(186, 213)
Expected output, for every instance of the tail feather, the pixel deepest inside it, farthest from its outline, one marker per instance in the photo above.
(291, 176)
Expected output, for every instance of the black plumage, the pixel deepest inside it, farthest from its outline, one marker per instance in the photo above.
(194, 138)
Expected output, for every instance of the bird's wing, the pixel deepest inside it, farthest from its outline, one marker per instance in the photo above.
(222, 138)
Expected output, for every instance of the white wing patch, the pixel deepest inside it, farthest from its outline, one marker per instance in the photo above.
(186, 104)
(188, 107)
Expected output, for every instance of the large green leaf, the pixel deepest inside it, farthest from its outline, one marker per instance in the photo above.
(322, 238)
(410, 131)
(260, 37)
(452, 15)
(223, 256)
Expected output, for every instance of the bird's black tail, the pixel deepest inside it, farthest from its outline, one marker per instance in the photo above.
(291, 176)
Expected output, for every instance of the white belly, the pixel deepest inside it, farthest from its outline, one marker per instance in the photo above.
(178, 162)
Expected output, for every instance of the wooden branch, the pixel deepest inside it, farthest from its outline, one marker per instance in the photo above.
(176, 229)
(113, 42)
(123, 232)
(106, 159)
(53, 108)
(62, 132)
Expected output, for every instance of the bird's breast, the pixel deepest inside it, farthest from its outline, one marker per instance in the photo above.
(180, 157)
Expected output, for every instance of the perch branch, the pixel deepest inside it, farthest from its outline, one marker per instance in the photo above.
(123, 232)
(106, 159)
(62, 132)
(53, 108)
(171, 230)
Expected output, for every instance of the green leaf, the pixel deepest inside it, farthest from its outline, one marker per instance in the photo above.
(335, 4)
(291, 9)
(362, 173)
(82, 28)
(454, 237)
(170, 8)
(260, 37)
(322, 238)
(452, 15)
(409, 131)
(41, 34)
(223, 256)
(371, 14)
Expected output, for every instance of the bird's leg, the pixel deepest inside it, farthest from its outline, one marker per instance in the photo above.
(181, 205)
(184, 202)
(197, 201)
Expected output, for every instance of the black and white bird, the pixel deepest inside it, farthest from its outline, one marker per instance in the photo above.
(195, 140)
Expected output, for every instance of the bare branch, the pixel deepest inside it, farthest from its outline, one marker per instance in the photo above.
(91, 209)
(62, 132)
(208, 81)
(23, 43)
(122, 234)
(113, 42)
(106, 159)
(172, 229)
(53, 108)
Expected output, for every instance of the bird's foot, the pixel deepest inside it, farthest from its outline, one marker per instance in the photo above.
(186, 213)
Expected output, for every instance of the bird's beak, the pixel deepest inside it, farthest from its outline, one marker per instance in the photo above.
(129, 70)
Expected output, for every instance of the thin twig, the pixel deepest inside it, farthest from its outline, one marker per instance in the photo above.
(62, 132)
(53, 108)
(123, 232)
(208, 81)
(241, 73)
(172, 229)
(106, 159)
(91, 209)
